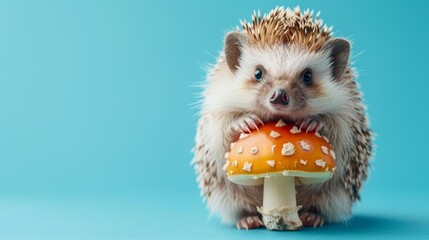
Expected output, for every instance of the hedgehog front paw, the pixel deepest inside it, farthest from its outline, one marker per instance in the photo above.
(246, 123)
(310, 124)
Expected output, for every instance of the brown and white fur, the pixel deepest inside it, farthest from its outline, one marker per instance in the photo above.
(234, 101)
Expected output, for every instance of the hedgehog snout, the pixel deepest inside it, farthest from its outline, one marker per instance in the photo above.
(279, 98)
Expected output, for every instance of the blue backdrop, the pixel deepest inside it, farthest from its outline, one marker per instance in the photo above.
(97, 124)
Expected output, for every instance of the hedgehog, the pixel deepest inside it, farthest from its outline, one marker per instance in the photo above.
(283, 65)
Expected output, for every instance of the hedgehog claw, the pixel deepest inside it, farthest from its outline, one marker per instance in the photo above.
(252, 124)
(249, 222)
(310, 125)
(312, 219)
(303, 123)
(247, 123)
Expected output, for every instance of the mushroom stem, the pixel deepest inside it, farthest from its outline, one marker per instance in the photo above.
(279, 211)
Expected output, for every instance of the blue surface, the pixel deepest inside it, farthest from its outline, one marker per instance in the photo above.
(96, 96)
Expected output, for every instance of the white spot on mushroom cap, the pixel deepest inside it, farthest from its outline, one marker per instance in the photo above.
(280, 123)
(305, 146)
(271, 162)
(325, 150)
(243, 135)
(239, 150)
(226, 155)
(247, 166)
(333, 169)
(234, 163)
(332, 154)
(233, 144)
(231, 172)
(225, 165)
(295, 130)
(320, 162)
(317, 134)
(288, 149)
(285, 173)
(303, 162)
(272, 148)
(274, 134)
(254, 150)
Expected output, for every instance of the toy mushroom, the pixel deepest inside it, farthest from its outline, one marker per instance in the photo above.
(279, 156)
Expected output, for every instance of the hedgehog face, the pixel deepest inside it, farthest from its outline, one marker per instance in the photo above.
(287, 81)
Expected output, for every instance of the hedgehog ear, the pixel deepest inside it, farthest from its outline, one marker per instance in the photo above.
(339, 49)
(234, 42)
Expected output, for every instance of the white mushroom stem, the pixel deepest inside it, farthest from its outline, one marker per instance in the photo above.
(279, 211)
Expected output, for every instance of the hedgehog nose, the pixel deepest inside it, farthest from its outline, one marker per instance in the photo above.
(280, 97)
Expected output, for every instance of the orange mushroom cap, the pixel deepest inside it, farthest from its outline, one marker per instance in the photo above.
(280, 149)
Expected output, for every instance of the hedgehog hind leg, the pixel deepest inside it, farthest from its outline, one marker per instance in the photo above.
(333, 205)
(311, 219)
(249, 222)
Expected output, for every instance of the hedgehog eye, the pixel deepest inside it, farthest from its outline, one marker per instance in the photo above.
(258, 74)
(307, 77)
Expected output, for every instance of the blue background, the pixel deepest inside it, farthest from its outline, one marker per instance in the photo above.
(96, 98)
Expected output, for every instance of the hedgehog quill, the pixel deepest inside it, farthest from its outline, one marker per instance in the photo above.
(284, 65)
